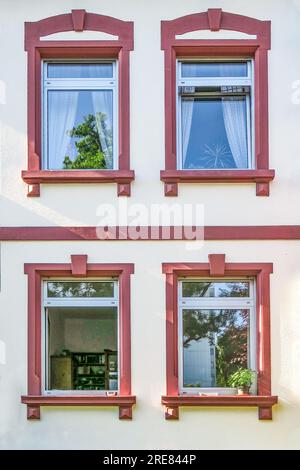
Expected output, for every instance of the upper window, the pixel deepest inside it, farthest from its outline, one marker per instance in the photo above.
(217, 334)
(216, 101)
(79, 115)
(81, 336)
(78, 102)
(214, 118)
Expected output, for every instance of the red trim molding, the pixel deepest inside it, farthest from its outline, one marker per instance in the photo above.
(142, 233)
(37, 49)
(125, 403)
(264, 403)
(213, 20)
(264, 399)
(36, 272)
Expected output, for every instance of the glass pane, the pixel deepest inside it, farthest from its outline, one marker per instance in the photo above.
(215, 289)
(80, 70)
(213, 69)
(65, 289)
(83, 348)
(215, 345)
(214, 132)
(80, 129)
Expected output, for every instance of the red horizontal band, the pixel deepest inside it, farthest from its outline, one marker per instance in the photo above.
(137, 233)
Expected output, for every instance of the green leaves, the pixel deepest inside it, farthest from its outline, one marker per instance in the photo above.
(89, 150)
(242, 377)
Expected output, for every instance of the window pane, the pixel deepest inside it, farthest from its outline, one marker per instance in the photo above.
(211, 69)
(80, 70)
(215, 344)
(214, 132)
(64, 289)
(215, 289)
(82, 348)
(80, 129)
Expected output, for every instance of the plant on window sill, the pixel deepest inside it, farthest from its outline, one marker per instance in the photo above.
(242, 379)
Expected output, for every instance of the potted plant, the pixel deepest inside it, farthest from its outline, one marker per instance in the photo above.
(242, 379)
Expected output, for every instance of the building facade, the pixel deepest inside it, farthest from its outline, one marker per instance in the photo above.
(149, 181)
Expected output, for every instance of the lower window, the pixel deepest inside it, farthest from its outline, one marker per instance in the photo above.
(81, 336)
(217, 336)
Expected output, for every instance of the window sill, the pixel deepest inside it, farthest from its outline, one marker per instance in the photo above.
(123, 178)
(171, 178)
(34, 402)
(263, 402)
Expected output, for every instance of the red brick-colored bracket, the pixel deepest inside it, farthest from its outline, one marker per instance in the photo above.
(216, 265)
(78, 17)
(214, 18)
(79, 265)
(123, 178)
(261, 178)
(263, 403)
(34, 403)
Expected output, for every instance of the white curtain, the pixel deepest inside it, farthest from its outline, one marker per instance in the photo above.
(62, 107)
(187, 106)
(234, 113)
(102, 104)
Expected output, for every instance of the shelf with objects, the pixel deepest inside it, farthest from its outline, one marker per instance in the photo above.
(85, 370)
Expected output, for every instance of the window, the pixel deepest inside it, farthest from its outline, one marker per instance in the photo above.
(81, 336)
(217, 333)
(79, 351)
(217, 321)
(78, 103)
(80, 115)
(216, 102)
(214, 122)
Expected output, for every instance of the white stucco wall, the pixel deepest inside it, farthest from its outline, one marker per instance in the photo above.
(100, 428)
(197, 428)
(59, 204)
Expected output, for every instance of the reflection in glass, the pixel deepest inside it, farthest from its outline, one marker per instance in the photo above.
(61, 289)
(214, 132)
(80, 129)
(215, 289)
(213, 69)
(215, 344)
(74, 70)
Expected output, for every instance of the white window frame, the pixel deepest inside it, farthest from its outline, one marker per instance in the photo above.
(110, 84)
(215, 303)
(217, 81)
(74, 302)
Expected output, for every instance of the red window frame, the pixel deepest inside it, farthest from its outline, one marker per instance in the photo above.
(37, 50)
(77, 268)
(217, 267)
(214, 20)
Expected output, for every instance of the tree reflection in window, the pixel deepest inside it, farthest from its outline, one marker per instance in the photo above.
(226, 332)
(215, 289)
(89, 151)
(80, 289)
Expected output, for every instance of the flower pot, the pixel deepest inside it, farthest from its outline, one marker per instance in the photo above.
(244, 390)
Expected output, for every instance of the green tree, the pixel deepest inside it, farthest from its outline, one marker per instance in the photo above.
(227, 332)
(89, 150)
